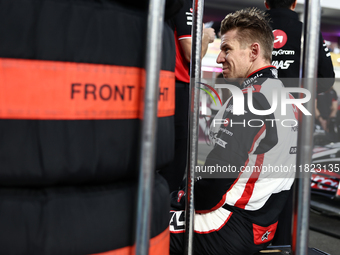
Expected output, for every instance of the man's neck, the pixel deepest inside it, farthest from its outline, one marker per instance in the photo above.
(256, 66)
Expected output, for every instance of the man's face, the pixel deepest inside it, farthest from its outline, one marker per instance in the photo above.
(235, 58)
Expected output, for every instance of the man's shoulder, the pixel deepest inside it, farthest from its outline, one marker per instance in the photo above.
(281, 12)
(284, 19)
(268, 86)
(262, 92)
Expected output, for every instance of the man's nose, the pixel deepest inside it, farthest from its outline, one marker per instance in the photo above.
(220, 58)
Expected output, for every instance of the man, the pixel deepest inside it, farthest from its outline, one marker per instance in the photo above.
(182, 24)
(286, 57)
(287, 31)
(237, 214)
(326, 108)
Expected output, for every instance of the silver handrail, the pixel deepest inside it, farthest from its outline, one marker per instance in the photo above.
(308, 73)
(195, 75)
(149, 125)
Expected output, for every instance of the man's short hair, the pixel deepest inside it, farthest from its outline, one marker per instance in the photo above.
(252, 26)
(273, 4)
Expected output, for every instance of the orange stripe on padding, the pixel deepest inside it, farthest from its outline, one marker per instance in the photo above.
(38, 89)
(158, 245)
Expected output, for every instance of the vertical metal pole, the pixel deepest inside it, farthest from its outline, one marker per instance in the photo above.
(308, 73)
(149, 124)
(195, 75)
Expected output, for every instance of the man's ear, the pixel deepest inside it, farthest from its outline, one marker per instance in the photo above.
(292, 7)
(266, 5)
(255, 50)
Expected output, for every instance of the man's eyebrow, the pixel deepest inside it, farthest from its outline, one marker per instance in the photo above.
(224, 45)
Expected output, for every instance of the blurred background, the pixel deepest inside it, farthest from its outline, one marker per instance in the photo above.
(216, 10)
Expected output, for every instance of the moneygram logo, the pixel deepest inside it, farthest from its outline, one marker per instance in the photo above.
(280, 38)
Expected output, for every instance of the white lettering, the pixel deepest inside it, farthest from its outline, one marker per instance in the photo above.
(238, 101)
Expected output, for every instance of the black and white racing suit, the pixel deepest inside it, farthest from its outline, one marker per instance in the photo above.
(237, 212)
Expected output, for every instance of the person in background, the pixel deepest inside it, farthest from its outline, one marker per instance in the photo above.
(287, 30)
(326, 108)
(182, 24)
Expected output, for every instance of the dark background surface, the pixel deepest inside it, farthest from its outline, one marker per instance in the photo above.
(216, 10)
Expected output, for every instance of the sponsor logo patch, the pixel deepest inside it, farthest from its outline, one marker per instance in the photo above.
(282, 64)
(280, 38)
(293, 150)
(221, 143)
(226, 122)
(226, 131)
(265, 236)
(180, 194)
(177, 221)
